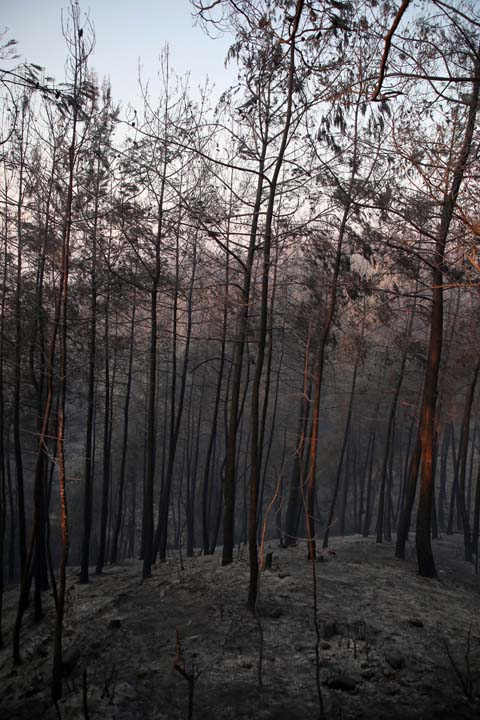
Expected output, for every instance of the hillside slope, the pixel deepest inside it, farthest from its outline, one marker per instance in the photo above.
(382, 650)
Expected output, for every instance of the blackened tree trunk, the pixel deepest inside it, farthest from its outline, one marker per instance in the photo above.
(463, 450)
(410, 492)
(207, 490)
(255, 448)
(471, 467)
(126, 420)
(390, 426)
(266, 460)
(3, 473)
(426, 564)
(443, 476)
(107, 453)
(346, 434)
(89, 440)
(368, 475)
(11, 506)
(389, 490)
(79, 67)
(295, 493)
(3, 512)
(176, 411)
(370, 489)
(17, 375)
(324, 336)
(454, 488)
(38, 375)
(150, 450)
(476, 518)
(239, 348)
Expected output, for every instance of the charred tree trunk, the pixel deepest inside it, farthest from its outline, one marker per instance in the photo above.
(17, 373)
(346, 435)
(89, 441)
(443, 477)
(176, 412)
(107, 451)
(390, 427)
(426, 564)
(454, 488)
(256, 431)
(296, 476)
(239, 348)
(79, 59)
(463, 451)
(126, 419)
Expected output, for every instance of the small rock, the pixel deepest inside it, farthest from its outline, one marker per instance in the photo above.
(325, 645)
(275, 614)
(283, 575)
(342, 682)
(416, 622)
(395, 660)
(367, 674)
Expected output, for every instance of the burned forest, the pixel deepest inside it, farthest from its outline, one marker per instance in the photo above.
(239, 367)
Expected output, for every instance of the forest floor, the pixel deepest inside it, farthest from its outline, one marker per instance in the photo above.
(383, 647)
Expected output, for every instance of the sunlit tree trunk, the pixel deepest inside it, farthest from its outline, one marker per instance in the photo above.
(426, 564)
(79, 66)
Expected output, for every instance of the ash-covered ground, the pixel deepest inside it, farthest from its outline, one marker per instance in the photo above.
(384, 630)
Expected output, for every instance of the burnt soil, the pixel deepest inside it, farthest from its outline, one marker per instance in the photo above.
(384, 634)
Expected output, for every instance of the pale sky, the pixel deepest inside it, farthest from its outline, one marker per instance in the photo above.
(127, 31)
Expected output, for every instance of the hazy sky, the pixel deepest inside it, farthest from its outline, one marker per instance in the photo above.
(126, 32)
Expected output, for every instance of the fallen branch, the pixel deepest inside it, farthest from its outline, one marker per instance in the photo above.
(190, 676)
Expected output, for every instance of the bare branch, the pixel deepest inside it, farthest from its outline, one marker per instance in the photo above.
(386, 50)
